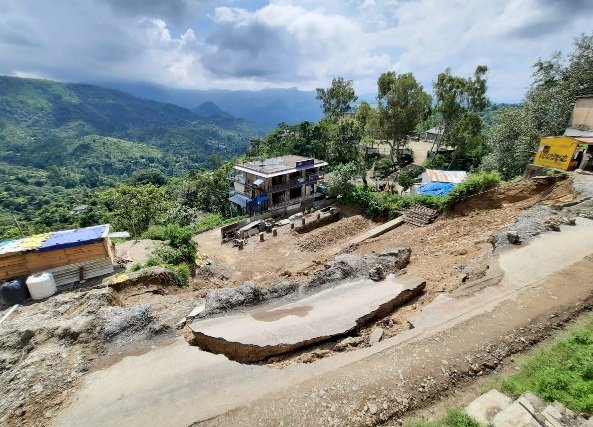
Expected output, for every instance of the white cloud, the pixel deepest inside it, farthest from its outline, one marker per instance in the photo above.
(303, 43)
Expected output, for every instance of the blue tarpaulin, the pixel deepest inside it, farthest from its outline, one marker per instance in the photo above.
(69, 238)
(435, 188)
(261, 199)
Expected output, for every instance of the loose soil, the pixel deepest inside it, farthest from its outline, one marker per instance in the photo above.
(76, 329)
(268, 262)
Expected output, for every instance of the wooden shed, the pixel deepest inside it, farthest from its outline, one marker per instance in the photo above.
(70, 255)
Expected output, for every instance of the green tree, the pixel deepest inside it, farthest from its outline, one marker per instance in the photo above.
(148, 176)
(458, 104)
(546, 111)
(339, 183)
(134, 208)
(338, 98)
(402, 105)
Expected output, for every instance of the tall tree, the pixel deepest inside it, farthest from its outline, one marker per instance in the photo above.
(338, 98)
(402, 105)
(458, 102)
(546, 111)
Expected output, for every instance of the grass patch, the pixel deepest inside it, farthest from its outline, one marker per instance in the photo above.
(212, 221)
(455, 417)
(562, 372)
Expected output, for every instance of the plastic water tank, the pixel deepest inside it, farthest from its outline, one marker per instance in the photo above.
(41, 285)
(13, 292)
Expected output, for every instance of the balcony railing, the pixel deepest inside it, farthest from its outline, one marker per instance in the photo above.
(293, 183)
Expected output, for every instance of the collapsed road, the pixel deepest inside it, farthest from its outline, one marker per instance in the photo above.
(270, 331)
(179, 384)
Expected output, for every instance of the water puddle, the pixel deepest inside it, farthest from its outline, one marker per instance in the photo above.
(273, 315)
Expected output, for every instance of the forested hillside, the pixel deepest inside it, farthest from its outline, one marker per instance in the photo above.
(59, 140)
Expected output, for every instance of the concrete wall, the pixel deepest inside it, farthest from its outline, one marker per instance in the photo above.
(582, 114)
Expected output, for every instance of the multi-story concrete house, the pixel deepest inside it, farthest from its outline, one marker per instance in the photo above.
(287, 183)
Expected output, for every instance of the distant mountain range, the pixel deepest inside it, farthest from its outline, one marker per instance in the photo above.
(265, 108)
(58, 136)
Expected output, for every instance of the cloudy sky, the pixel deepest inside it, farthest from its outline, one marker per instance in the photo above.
(253, 44)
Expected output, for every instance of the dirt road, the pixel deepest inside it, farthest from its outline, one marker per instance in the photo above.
(179, 384)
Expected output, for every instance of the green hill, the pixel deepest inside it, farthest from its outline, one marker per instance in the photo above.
(56, 140)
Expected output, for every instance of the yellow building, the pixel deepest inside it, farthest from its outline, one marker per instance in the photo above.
(556, 152)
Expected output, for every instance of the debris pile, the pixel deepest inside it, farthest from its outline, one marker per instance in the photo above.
(419, 215)
(333, 233)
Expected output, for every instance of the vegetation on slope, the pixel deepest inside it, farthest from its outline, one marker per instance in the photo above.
(562, 372)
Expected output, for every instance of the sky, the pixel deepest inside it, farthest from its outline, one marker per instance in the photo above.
(232, 44)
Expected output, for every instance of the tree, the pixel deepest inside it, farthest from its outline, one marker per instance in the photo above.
(344, 138)
(512, 141)
(339, 183)
(338, 98)
(458, 102)
(546, 111)
(134, 208)
(402, 105)
(148, 176)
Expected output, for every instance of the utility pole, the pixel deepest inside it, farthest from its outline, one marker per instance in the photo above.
(18, 225)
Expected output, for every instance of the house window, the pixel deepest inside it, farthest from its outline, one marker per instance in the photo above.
(295, 192)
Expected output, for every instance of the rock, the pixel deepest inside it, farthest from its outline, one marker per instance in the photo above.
(519, 413)
(372, 408)
(377, 272)
(401, 256)
(376, 336)
(552, 225)
(513, 237)
(485, 407)
(198, 309)
(348, 342)
(568, 221)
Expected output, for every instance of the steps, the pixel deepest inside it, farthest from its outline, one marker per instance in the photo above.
(495, 409)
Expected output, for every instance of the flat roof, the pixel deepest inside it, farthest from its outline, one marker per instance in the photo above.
(267, 168)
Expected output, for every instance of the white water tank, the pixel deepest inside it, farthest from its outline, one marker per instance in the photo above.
(41, 285)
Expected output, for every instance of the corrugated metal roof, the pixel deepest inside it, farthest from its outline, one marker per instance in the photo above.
(585, 139)
(55, 240)
(240, 200)
(577, 132)
(454, 177)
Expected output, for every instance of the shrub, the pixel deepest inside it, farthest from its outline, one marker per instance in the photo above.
(169, 255)
(152, 262)
(179, 238)
(182, 273)
(390, 205)
(136, 266)
(562, 372)
(454, 418)
(214, 220)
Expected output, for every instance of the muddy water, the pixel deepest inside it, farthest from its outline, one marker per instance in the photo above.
(273, 315)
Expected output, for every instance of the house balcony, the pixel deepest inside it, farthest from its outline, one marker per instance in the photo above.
(293, 183)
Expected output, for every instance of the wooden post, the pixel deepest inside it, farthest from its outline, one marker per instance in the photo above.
(261, 237)
(241, 243)
(291, 225)
(303, 221)
(274, 232)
